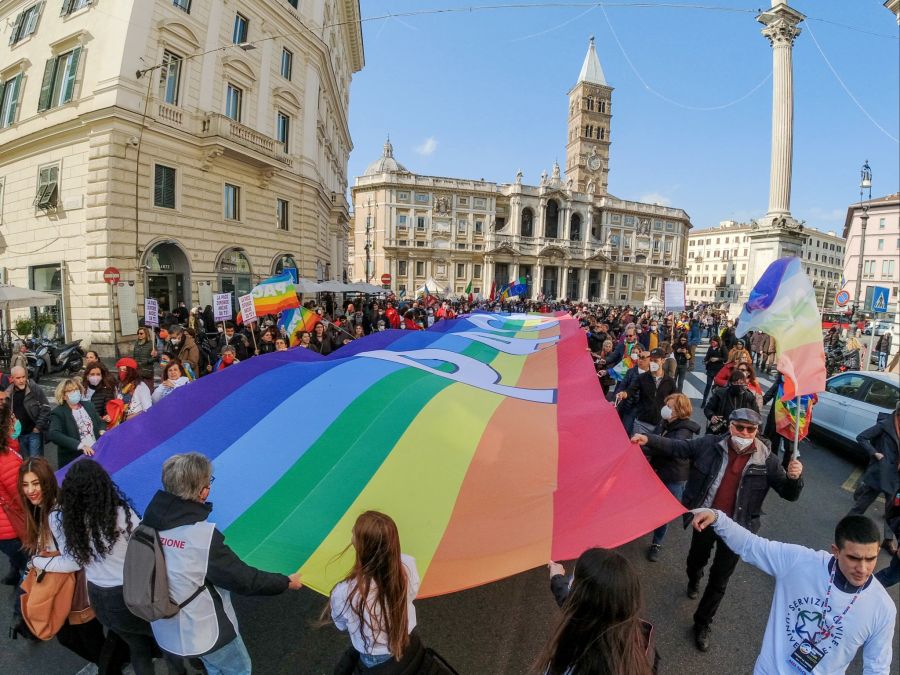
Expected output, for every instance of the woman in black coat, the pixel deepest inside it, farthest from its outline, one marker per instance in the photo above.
(672, 471)
(99, 387)
(713, 361)
(74, 423)
(727, 399)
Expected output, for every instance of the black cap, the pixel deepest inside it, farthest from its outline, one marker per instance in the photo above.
(746, 415)
(657, 353)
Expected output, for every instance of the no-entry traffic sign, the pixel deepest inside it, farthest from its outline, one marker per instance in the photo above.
(111, 275)
(386, 279)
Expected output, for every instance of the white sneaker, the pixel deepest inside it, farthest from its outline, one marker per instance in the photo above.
(89, 669)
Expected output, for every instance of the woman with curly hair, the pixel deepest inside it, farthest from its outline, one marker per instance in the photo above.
(92, 526)
(374, 602)
(173, 376)
(38, 492)
(132, 391)
(601, 631)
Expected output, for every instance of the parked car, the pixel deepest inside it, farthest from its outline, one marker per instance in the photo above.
(879, 326)
(851, 403)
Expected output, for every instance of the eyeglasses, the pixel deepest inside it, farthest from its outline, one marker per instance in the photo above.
(746, 428)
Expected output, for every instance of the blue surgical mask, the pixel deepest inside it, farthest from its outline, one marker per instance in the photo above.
(74, 397)
(17, 430)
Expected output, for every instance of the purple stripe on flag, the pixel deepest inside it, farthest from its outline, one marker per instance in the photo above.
(763, 294)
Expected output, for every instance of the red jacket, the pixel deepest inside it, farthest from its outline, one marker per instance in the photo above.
(9, 478)
(393, 317)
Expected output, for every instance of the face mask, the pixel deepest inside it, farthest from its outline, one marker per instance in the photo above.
(654, 367)
(74, 397)
(228, 358)
(641, 370)
(175, 341)
(666, 412)
(736, 388)
(122, 376)
(95, 380)
(741, 443)
(17, 429)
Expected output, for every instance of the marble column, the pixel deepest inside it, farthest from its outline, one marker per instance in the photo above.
(585, 278)
(781, 30)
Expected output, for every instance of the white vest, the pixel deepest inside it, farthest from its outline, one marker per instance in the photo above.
(195, 629)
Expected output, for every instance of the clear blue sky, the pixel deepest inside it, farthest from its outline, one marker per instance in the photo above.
(481, 94)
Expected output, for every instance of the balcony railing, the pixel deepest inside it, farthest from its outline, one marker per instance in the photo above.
(216, 124)
(170, 114)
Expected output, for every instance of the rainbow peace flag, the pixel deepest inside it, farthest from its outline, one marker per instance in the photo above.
(783, 304)
(618, 371)
(475, 436)
(297, 320)
(275, 294)
(787, 412)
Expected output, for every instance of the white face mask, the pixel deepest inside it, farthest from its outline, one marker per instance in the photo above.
(641, 370)
(741, 443)
(654, 366)
(666, 412)
(94, 380)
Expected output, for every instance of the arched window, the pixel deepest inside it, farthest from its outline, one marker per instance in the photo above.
(551, 224)
(575, 227)
(527, 229)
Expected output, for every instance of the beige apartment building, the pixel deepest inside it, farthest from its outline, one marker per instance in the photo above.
(880, 252)
(718, 259)
(196, 145)
(566, 236)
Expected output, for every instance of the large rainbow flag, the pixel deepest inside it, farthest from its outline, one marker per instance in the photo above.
(296, 321)
(486, 438)
(783, 304)
(275, 294)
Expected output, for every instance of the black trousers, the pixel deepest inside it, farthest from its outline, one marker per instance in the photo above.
(85, 639)
(135, 635)
(863, 497)
(722, 568)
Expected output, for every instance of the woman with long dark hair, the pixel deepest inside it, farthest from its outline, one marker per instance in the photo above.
(601, 631)
(38, 491)
(92, 525)
(173, 376)
(99, 387)
(374, 602)
(133, 391)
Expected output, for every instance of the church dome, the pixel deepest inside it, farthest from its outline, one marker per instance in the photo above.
(386, 163)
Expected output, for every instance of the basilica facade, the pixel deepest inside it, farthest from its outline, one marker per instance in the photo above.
(566, 236)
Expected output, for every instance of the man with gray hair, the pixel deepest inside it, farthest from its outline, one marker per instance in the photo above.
(31, 407)
(198, 558)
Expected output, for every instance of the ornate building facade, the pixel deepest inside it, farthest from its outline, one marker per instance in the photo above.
(196, 146)
(566, 236)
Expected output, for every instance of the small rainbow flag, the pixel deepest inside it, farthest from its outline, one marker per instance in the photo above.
(627, 363)
(783, 304)
(297, 320)
(786, 413)
(275, 294)
(470, 435)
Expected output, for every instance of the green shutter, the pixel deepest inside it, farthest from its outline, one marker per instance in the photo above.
(17, 26)
(66, 7)
(71, 75)
(47, 85)
(169, 188)
(164, 187)
(3, 86)
(14, 86)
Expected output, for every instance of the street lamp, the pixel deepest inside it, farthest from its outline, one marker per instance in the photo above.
(865, 183)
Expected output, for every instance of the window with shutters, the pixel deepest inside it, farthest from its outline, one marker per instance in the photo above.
(170, 77)
(282, 214)
(72, 6)
(48, 187)
(232, 202)
(58, 85)
(25, 23)
(184, 5)
(401, 268)
(9, 100)
(164, 187)
(234, 97)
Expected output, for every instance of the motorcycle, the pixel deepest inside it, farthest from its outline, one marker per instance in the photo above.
(47, 356)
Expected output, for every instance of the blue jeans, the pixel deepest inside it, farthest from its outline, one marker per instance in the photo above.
(677, 489)
(882, 360)
(232, 659)
(31, 444)
(372, 660)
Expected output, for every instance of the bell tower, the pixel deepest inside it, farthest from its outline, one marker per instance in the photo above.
(590, 114)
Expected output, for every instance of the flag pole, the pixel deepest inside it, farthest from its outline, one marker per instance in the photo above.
(796, 453)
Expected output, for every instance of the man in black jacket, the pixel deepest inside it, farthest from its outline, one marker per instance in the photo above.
(31, 407)
(883, 473)
(627, 405)
(731, 472)
(650, 389)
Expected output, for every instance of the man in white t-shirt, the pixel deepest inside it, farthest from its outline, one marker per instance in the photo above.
(826, 605)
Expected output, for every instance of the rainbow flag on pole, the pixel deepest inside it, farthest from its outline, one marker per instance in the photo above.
(783, 304)
(470, 435)
(275, 294)
(297, 320)
(788, 414)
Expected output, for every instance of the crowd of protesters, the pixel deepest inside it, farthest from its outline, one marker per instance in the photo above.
(642, 358)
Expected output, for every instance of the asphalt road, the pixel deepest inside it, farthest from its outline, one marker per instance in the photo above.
(500, 628)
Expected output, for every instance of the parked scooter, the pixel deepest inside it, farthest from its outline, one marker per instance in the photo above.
(47, 356)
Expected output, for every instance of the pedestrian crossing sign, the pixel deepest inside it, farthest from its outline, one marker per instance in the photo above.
(878, 297)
